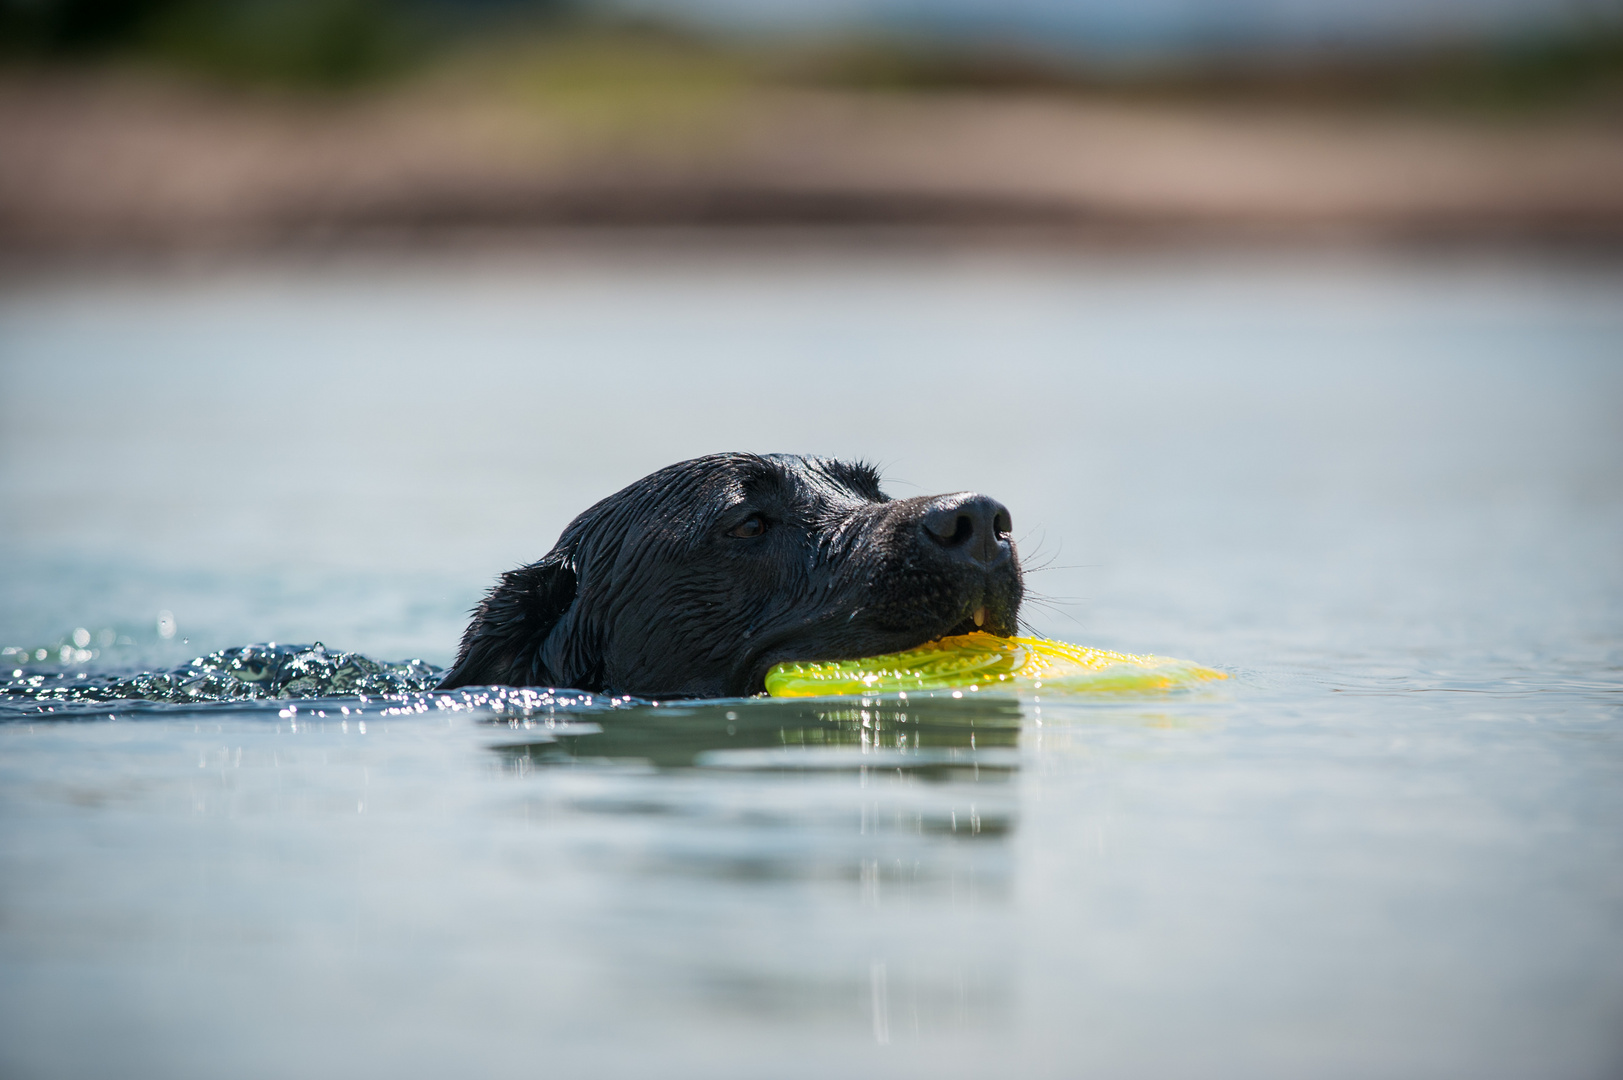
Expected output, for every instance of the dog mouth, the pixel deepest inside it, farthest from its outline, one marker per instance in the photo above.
(981, 613)
(976, 621)
(981, 618)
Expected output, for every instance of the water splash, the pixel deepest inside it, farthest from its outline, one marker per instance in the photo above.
(246, 673)
(276, 673)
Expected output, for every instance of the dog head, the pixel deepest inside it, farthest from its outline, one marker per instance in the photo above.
(696, 580)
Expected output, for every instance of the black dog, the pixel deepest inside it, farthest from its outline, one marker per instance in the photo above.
(696, 580)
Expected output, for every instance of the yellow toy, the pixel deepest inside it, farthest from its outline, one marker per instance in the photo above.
(981, 661)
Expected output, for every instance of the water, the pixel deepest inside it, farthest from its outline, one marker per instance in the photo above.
(1385, 495)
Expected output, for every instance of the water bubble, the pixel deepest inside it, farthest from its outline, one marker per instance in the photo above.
(166, 624)
(81, 637)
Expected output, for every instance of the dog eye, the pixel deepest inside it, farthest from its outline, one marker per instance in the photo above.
(754, 525)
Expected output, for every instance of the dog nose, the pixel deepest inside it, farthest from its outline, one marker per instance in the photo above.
(970, 527)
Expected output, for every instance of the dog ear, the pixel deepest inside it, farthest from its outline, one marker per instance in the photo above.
(502, 645)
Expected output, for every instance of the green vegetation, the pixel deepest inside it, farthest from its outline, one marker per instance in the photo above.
(564, 52)
(320, 43)
(1581, 67)
(611, 79)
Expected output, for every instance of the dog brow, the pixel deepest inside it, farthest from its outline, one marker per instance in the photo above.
(858, 477)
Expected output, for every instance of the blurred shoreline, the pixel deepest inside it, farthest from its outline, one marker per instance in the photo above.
(106, 161)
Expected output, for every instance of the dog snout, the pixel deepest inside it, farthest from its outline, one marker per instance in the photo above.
(973, 528)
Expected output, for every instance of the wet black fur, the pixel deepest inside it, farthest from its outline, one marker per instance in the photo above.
(647, 592)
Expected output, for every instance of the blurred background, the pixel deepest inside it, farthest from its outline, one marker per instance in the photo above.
(180, 125)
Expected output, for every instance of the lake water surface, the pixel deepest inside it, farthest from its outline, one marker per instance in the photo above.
(1385, 495)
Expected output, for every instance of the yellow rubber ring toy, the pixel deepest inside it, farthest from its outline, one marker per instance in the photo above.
(982, 661)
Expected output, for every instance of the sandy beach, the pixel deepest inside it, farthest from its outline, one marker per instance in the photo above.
(104, 162)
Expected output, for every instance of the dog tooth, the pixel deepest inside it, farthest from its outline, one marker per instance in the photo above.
(980, 616)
